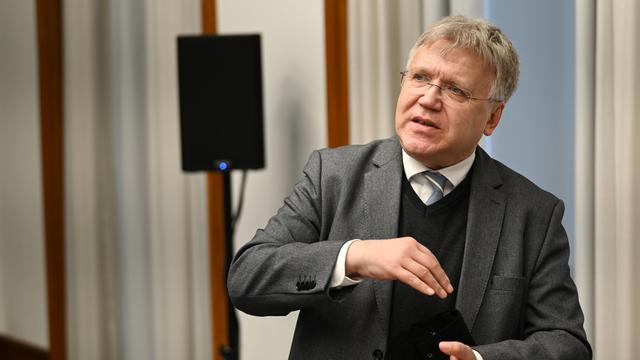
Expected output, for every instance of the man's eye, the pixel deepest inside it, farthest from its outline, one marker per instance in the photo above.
(456, 90)
(420, 77)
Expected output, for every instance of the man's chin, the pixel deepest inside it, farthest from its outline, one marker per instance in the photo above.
(419, 151)
(424, 156)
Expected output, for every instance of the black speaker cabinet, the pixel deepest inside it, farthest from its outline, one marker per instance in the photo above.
(221, 116)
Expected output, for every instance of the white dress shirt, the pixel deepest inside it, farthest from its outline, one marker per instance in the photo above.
(413, 170)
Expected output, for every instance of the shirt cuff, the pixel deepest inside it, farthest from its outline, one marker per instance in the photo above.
(339, 278)
(477, 354)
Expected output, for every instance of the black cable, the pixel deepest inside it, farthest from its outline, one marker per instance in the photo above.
(238, 212)
(232, 351)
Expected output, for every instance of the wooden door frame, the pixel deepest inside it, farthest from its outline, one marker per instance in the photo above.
(337, 62)
(49, 30)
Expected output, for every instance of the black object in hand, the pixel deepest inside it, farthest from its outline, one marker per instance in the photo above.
(445, 326)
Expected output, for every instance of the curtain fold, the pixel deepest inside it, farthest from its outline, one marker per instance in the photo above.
(92, 293)
(380, 36)
(616, 166)
(583, 250)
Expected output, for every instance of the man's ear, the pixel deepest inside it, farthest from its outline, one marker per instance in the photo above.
(494, 119)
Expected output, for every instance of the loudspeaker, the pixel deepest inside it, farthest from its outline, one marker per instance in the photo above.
(221, 116)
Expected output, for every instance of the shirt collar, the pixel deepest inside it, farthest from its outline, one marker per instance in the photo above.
(454, 173)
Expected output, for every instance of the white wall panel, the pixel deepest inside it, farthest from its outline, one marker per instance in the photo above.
(23, 294)
(295, 123)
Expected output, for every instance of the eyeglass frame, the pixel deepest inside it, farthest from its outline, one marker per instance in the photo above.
(447, 89)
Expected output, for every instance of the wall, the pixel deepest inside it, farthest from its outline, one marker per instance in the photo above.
(22, 282)
(295, 117)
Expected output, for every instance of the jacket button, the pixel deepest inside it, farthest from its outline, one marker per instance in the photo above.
(377, 354)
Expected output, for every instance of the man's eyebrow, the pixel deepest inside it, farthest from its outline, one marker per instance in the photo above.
(455, 82)
(444, 77)
(419, 69)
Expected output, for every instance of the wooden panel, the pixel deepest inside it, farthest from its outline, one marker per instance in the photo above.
(14, 349)
(49, 20)
(337, 72)
(215, 200)
(209, 17)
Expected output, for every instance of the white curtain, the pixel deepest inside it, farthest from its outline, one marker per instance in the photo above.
(137, 275)
(617, 166)
(90, 247)
(584, 167)
(611, 286)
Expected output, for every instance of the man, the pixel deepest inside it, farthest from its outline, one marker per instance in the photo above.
(449, 227)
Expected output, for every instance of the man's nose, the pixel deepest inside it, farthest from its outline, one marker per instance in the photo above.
(431, 96)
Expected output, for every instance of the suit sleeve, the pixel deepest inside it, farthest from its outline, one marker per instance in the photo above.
(553, 325)
(286, 266)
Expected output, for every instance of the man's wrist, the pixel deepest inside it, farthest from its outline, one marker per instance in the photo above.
(339, 277)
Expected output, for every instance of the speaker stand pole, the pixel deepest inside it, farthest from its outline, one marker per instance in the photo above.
(230, 352)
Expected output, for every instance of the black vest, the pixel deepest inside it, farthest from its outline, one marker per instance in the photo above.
(441, 227)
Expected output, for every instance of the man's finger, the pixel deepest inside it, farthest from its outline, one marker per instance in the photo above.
(415, 282)
(424, 274)
(425, 258)
(456, 350)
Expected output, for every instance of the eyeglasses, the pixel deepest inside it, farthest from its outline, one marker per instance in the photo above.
(419, 81)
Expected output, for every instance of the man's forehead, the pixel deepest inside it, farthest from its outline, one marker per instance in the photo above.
(448, 51)
(442, 53)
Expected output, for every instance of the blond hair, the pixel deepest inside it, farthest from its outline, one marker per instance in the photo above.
(484, 39)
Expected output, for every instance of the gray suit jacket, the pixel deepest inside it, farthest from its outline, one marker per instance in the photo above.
(515, 291)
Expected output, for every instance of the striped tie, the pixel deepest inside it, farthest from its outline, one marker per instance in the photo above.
(438, 181)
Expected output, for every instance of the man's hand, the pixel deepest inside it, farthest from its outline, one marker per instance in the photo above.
(457, 350)
(403, 259)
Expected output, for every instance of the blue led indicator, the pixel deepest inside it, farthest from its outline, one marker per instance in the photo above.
(223, 166)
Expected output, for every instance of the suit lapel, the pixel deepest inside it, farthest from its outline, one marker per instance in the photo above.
(484, 223)
(382, 208)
